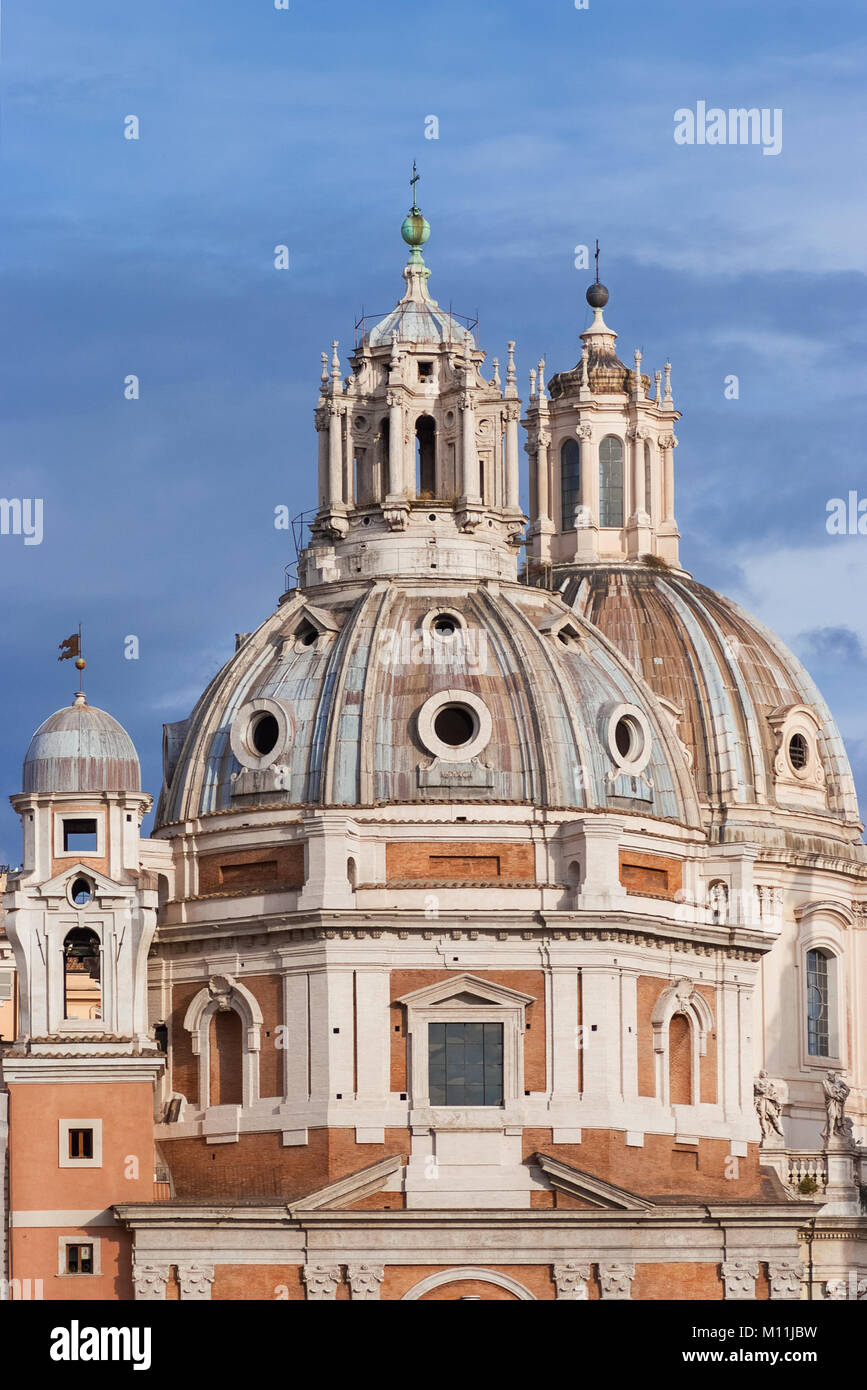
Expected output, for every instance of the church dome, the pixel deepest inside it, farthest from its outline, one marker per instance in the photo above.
(81, 749)
(754, 723)
(427, 692)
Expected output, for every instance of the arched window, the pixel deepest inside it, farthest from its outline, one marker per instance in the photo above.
(648, 482)
(226, 1048)
(822, 1004)
(570, 482)
(611, 481)
(679, 1061)
(425, 457)
(82, 990)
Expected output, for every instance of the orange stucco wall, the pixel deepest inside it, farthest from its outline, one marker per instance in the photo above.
(37, 1183)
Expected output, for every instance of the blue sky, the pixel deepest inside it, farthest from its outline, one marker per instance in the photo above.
(260, 127)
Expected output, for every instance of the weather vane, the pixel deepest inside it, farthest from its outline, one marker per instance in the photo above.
(71, 647)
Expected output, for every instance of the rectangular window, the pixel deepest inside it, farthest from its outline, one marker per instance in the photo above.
(79, 1259)
(817, 1004)
(465, 1063)
(80, 1143)
(79, 836)
(5, 986)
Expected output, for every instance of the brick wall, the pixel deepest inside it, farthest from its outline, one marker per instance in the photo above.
(443, 861)
(252, 869)
(650, 873)
(661, 1168)
(260, 1166)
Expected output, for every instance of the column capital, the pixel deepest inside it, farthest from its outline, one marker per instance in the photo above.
(321, 1281)
(364, 1281)
(785, 1278)
(149, 1281)
(195, 1281)
(739, 1277)
(616, 1280)
(570, 1279)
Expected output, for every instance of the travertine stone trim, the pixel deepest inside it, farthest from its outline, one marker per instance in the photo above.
(616, 1280)
(195, 1281)
(321, 1281)
(364, 1281)
(149, 1282)
(739, 1277)
(785, 1278)
(571, 1279)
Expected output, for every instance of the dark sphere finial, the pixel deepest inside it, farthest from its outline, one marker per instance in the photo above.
(597, 296)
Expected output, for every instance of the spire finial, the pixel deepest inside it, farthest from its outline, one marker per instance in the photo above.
(597, 294)
(597, 260)
(415, 230)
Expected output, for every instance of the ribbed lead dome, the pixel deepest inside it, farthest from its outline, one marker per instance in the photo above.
(81, 749)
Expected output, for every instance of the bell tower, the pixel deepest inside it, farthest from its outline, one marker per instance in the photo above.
(601, 445)
(418, 451)
(80, 915)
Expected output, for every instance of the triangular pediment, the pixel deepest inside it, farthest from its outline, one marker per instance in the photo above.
(466, 989)
(104, 887)
(345, 1191)
(595, 1191)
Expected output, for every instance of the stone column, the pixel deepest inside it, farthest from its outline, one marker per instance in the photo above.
(587, 532)
(470, 458)
(543, 478)
(364, 1282)
(195, 1281)
(395, 444)
(149, 1282)
(639, 501)
(321, 1281)
(322, 430)
(511, 460)
(739, 1278)
(348, 462)
(335, 457)
(616, 1280)
(570, 1279)
(667, 444)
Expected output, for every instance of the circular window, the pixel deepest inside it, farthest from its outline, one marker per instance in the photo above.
(799, 752)
(264, 733)
(629, 739)
(455, 725)
(443, 624)
(81, 892)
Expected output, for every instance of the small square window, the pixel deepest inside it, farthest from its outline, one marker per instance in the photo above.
(79, 836)
(80, 1143)
(425, 371)
(79, 1259)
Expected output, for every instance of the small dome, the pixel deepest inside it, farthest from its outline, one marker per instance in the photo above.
(81, 749)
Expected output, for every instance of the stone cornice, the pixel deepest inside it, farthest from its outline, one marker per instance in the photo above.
(179, 1216)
